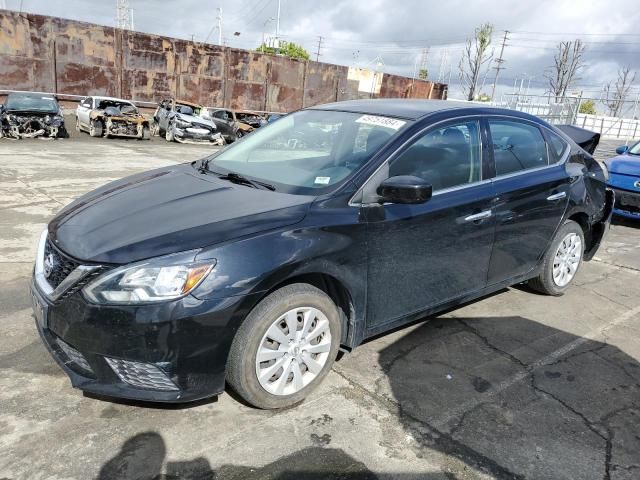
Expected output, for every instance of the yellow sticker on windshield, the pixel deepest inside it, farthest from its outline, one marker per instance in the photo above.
(387, 122)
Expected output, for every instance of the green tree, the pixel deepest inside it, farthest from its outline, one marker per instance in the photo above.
(588, 107)
(423, 74)
(288, 49)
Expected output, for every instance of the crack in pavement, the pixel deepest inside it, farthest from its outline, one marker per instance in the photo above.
(465, 408)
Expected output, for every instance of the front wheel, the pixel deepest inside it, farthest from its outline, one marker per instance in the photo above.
(95, 129)
(561, 262)
(285, 347)
(168, 134)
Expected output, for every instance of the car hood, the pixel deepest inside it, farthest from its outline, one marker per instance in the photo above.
(194, 119)
(166, 211)
(624, 165)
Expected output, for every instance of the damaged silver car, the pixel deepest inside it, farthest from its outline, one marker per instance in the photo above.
(182, 122)
(30, 115)
(111, 117)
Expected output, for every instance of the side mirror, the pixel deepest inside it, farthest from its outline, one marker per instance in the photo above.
(405, 189)
(622, 149)
(2, 108)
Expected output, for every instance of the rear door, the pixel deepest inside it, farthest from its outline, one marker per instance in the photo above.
(532, 186)
(427, 254)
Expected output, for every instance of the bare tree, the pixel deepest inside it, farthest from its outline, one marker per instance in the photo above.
(567, 64)
(475, 55)
(616, 94)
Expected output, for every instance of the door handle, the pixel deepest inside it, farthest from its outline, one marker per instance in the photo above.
(557, 196)
(478, 216)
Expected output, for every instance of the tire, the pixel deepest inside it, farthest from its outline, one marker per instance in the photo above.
(95, 129)
(300, 301)
(168, 135)
(154, 130)
(570, 238)
(146, 133)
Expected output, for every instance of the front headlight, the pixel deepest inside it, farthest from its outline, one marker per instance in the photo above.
(157, 280)
(181, 123)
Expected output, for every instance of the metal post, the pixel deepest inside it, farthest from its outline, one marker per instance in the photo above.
(219, 18)
(278, 27)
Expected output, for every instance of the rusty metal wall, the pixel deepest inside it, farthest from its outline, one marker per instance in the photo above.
(49, 54)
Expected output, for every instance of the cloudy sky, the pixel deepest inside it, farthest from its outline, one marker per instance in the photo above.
(394, 32)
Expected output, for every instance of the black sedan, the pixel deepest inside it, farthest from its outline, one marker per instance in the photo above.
(256, 265)
(31, 115)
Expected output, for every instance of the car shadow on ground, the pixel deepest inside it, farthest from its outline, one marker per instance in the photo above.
(517, 398)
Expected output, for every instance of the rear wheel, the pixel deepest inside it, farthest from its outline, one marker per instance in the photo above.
(562, 260)
(285, 347)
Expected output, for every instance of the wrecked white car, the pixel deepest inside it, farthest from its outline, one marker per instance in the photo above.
(30, 115)
(111, 117)
(180, 121)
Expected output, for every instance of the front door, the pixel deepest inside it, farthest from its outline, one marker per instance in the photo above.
(424, 255)
(531, 187)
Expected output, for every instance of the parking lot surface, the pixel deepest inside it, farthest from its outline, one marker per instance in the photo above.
(517, 385)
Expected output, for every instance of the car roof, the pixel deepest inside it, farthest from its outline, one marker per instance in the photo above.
(410, 109)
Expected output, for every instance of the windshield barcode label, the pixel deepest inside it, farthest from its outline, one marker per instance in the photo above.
(392, 123)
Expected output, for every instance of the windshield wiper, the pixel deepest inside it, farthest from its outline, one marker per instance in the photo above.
(240, 179)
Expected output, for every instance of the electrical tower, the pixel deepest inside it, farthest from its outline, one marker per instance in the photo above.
(124, 15)
(423, 63)
(499, 61)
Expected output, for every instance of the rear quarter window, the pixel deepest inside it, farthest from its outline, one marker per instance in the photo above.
(517, 146)
(557, 147)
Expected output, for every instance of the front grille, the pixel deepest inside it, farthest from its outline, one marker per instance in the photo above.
(141, 375)
(75, 358)
(61, 266)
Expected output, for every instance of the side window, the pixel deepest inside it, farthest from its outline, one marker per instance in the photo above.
(86, 103)
(446, 157)
(221, 114)
(557, 147)
(517, 146)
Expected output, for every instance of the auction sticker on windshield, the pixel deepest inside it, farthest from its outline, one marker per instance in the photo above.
(387, 122)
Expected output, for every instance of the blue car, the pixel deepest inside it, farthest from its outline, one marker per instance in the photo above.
(624, 179)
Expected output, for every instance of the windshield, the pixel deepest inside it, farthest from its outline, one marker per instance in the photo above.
(308, 152)
(124, 107)
(196, 109)
(32, 103)
(635, 150)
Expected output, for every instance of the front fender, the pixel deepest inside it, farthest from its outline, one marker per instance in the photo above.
(261, 263)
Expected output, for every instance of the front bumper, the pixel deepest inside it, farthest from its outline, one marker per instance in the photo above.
(197, 135)
(171, 352)
(627, 203)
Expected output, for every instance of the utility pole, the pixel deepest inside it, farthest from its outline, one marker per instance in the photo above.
(3, 4)
(278, 27)
(319, 46)
(219, 18)
(499, 62)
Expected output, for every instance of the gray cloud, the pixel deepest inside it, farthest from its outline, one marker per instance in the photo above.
(397, 31)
